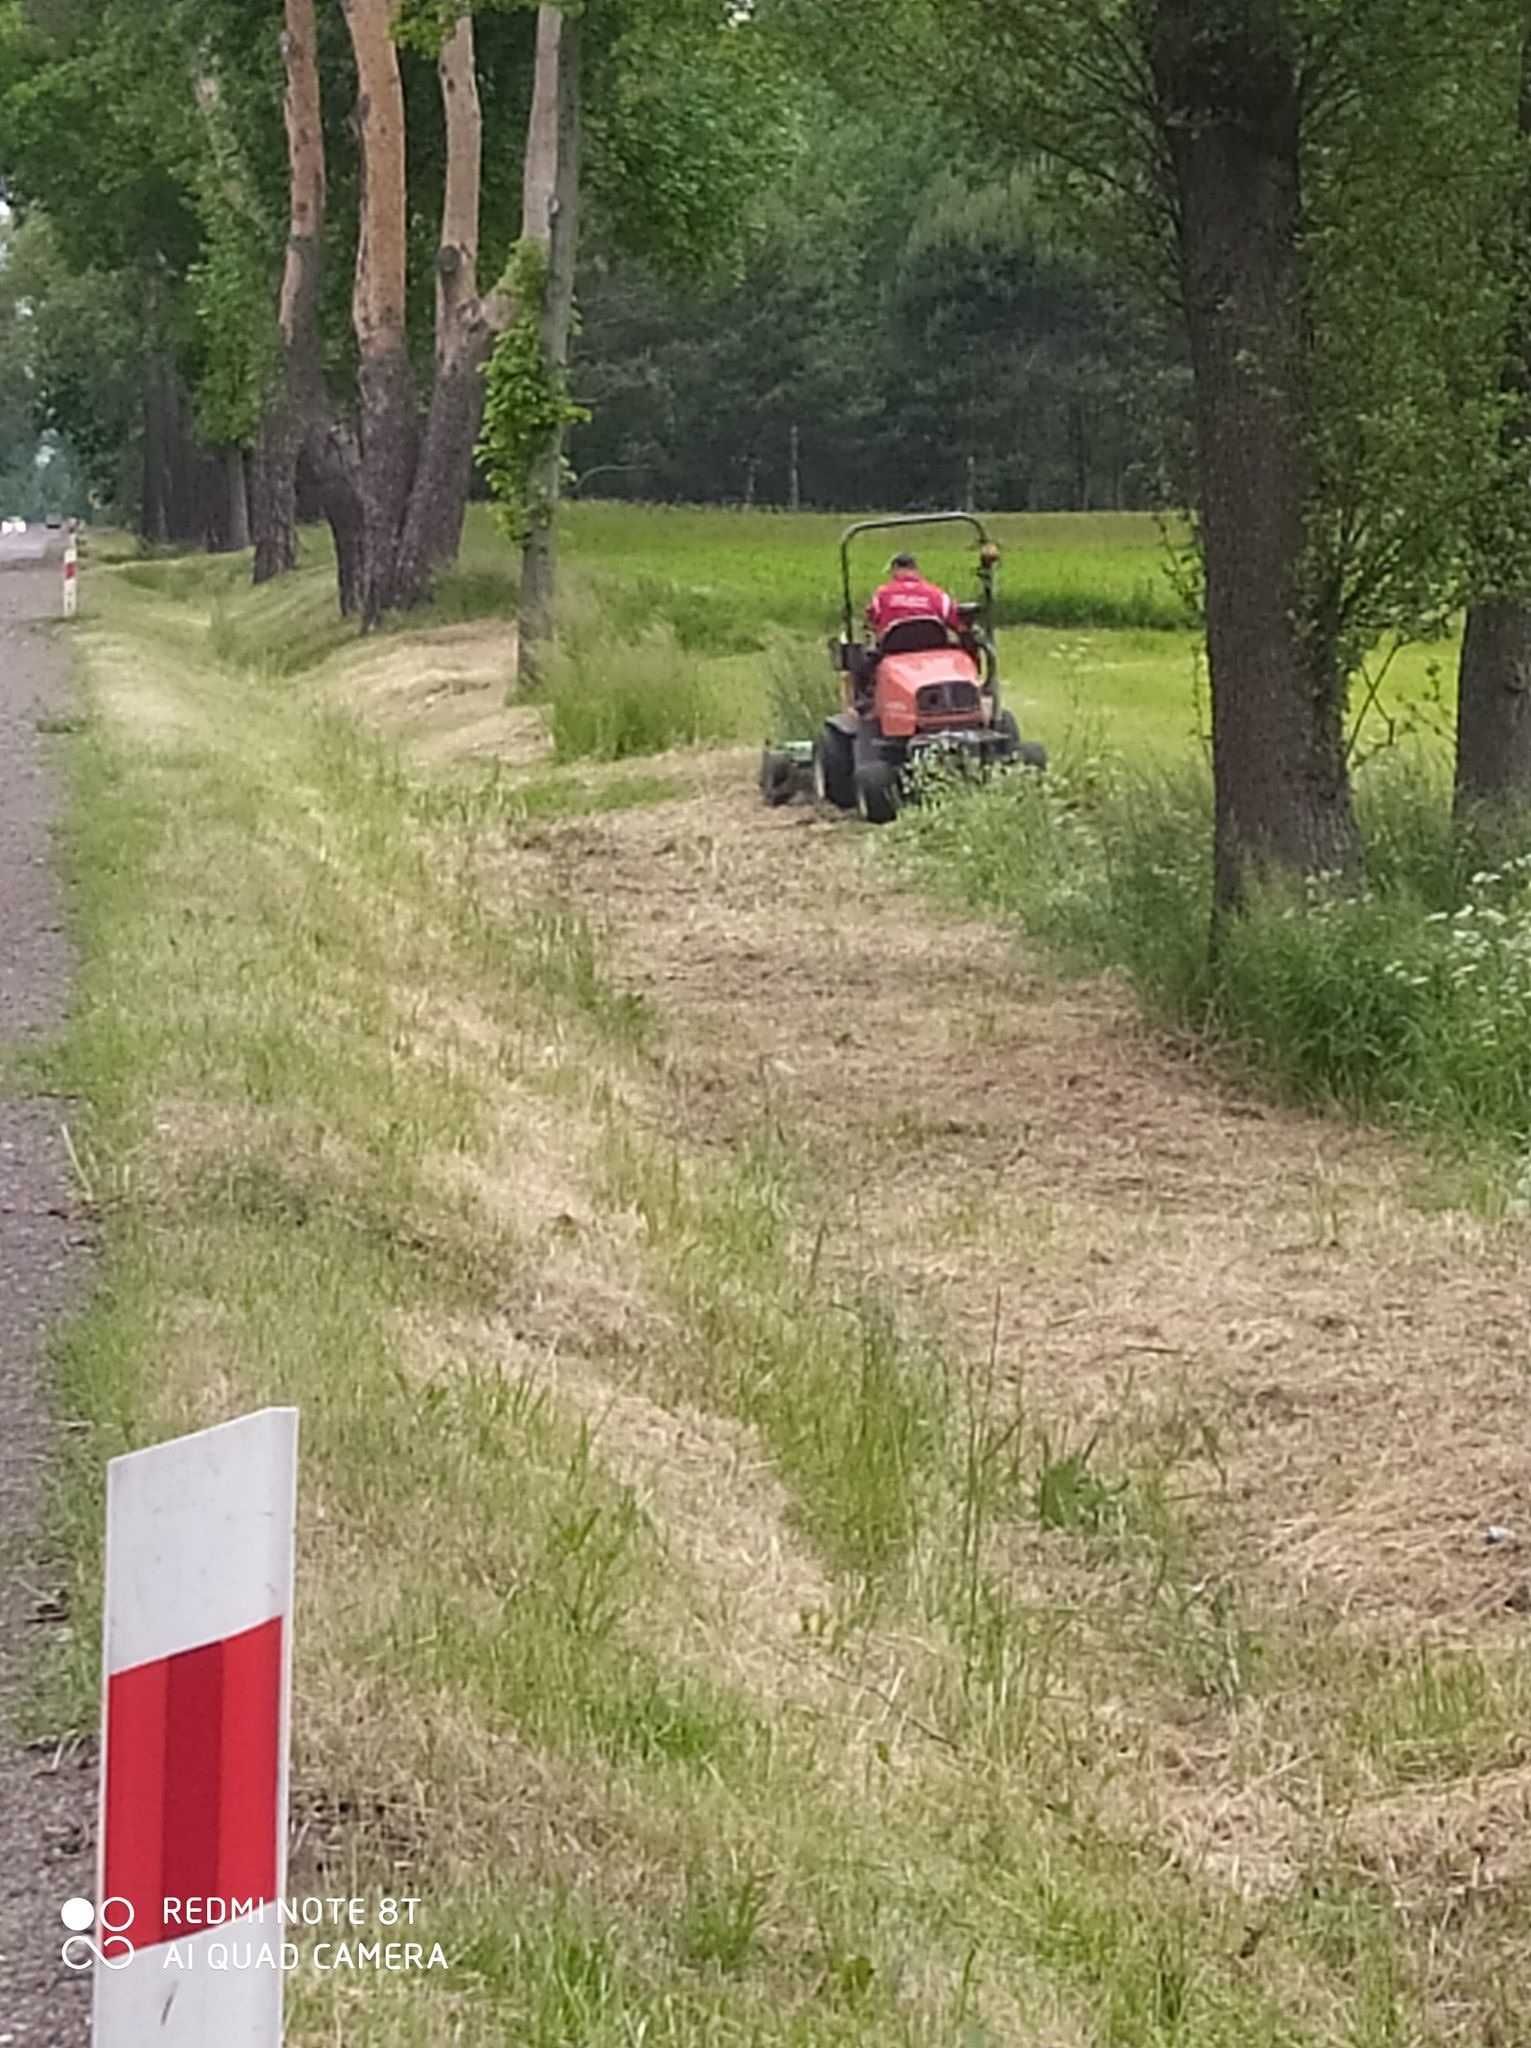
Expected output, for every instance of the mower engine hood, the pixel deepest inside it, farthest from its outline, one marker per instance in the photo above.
(938, 689)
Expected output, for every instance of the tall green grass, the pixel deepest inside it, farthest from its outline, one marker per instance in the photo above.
(1408, 998)
(611, 694)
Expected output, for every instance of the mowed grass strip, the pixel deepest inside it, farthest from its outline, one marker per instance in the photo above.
(716, 1660)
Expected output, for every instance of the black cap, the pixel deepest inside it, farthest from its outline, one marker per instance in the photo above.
(903, 562)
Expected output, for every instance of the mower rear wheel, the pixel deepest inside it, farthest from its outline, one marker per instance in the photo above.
(878, 790)
(1019, 752)
(834, 767)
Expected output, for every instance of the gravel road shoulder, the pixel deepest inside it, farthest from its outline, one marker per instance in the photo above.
(46, 1802)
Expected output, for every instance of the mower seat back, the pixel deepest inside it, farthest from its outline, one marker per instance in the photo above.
(915, 636)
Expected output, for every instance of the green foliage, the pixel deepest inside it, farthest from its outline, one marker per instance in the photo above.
(234, 292)
(610, 696)
(1409, 999)
(802, 690)
(911, 313)
(1407, 164)
(1409, 177)
(696, 119)
(527, 402)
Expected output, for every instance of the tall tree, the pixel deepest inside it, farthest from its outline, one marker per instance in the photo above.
(297, 395)
(551, 225)
(466, 326)
(389, 424)
(1229, 96)
(1290, 175)
(301, 426)
(1493, 761)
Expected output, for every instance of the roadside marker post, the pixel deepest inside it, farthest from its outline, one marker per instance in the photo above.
(71, 577)
(196, 1685)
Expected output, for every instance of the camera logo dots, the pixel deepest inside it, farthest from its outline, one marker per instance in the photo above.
(113, 1950)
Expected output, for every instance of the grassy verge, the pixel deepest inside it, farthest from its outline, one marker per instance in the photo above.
(1409, 999)
(720, 1656)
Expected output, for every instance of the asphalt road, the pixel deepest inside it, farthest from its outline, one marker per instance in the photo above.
(47, 1793)
(18, 550)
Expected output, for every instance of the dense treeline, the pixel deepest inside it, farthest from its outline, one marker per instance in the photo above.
(909, 325)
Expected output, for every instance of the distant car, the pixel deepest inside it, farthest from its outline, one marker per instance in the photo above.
(13, 526)
(54, 521)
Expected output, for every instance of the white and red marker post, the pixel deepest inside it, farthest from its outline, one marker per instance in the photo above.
(71, 576)
(196, 1702)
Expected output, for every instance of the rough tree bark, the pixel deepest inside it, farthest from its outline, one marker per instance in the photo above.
(154, 502)
(229, 527)
(1230, 102)
(465, 331)
(298, 426)
(1494, 673)
(389, 423)
(550, 213)
(178, 505)
(273, 490)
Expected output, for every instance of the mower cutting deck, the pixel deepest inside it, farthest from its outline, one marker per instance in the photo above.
(924, 690)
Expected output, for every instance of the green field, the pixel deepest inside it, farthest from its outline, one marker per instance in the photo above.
(739, 569)
(723, 605)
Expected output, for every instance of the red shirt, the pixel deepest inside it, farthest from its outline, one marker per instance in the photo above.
(910, 597)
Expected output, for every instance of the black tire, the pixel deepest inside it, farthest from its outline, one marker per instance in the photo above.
(1019, 753)
(777, 777)
(834, 767)
(879, 788)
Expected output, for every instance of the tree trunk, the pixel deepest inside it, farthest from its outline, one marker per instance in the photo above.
(299, 401)
(1494, 673)
(1494, 705)
(328, 468)
(274, 491)
(234, 506)
(306, 459)
(1230, 103)
(389, 422)
(1079, 452)
(154, 509)
(178, 506)
(464, 336)
(557, 87)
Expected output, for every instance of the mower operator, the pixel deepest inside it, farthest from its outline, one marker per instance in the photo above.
(907, 595)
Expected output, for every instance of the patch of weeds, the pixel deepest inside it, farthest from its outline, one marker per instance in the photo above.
(555, 950)
(723, 1918)
(1205, 1635)
(802, 689)
(558, 1977)
(463, 595)
(1070, 1494)
(558, 797)
(1436, 1714)
(856, 1416)
(608, 698)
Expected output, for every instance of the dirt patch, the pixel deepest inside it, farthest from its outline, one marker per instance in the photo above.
(1153, 1239)
(442, 695)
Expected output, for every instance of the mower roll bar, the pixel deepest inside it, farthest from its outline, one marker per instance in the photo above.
(988, 554)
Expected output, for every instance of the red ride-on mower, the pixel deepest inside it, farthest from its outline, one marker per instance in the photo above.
(924, 690)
